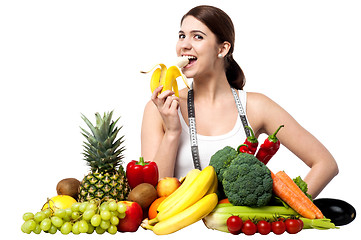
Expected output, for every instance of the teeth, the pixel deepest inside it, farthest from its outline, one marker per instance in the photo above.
(190, 57)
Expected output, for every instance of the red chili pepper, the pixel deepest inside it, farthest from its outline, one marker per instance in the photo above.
(269, 147)
(250, 144)
(142, 172)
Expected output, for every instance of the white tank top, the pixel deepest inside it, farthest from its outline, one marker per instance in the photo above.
(207, 145)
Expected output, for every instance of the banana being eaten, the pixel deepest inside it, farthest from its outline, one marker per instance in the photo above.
(167, 77)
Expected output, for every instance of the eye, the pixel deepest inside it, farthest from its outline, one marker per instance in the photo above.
(199, 37)
(181, 36)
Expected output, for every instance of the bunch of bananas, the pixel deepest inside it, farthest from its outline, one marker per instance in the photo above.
(191, 202)
(166, 77)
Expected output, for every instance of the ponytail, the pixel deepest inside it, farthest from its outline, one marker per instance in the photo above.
(234, 73)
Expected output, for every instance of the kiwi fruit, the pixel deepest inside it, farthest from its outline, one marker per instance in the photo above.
(143, 194)
(68, 186)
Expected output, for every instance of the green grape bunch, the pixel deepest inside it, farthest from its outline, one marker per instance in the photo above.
(82, 217)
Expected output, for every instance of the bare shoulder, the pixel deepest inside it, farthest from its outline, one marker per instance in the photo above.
(151, 112)
(255, 99)
(263, 113)
(149, 106)
(149, 109)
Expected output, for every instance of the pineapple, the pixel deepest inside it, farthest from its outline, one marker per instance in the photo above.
(104, 154)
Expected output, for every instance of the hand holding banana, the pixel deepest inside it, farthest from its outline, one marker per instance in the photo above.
(191, 202)
(166, 77)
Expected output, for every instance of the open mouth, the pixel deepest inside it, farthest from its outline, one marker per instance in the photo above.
(192, 60)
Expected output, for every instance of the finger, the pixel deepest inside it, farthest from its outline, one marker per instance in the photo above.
(168, 101)
(165, 94)
(174, 105)
(156, 93)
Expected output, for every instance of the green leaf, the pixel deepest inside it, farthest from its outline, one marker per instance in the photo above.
(90, 125)
(303, 186)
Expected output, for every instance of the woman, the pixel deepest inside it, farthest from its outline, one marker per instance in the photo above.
(206, 37)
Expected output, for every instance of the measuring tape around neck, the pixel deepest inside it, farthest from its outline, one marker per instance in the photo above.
(193, 129)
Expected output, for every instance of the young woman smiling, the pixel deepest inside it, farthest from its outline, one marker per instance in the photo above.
(207, 38)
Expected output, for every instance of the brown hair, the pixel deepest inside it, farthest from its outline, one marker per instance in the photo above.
(222, 26)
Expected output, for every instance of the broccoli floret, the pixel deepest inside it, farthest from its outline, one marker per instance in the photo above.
(222, 159)
(247, 181)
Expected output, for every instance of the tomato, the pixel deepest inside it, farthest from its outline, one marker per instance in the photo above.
(301, 224)
(264, 227)
(278, 227)
(234, 224)
(249, 228)
(293, 226)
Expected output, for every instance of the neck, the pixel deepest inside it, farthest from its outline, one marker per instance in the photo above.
(210, 88)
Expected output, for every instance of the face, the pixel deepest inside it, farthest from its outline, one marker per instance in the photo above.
(199, 44)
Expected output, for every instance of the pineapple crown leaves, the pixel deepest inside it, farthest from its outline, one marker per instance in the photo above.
(103, 152)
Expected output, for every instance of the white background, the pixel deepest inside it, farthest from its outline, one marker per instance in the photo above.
(59, 59)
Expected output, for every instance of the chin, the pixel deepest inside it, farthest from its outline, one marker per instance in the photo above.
(190, 72)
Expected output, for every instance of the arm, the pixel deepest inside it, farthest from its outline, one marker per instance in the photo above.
(268, 116)
(160, 131)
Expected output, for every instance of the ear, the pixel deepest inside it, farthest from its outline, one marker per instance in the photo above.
(224, 48)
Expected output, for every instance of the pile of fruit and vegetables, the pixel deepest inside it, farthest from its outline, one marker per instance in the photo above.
(113, 199)
(236, 193)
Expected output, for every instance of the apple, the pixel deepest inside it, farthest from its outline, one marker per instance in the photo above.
(133, 217)
(166, 186)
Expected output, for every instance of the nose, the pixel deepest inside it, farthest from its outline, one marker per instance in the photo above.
(184, 44)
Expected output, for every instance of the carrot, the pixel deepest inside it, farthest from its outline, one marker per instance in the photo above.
(293, 186)
(286, 194)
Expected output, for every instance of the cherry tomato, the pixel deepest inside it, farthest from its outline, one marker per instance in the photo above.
(293, 226)
(301, 224)
(278, 227)
(264, 227)
(249, 228)
(234, 224)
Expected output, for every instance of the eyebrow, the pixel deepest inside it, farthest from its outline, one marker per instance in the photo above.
(195, 31)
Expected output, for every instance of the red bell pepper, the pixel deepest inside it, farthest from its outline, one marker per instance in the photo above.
(142, 172)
